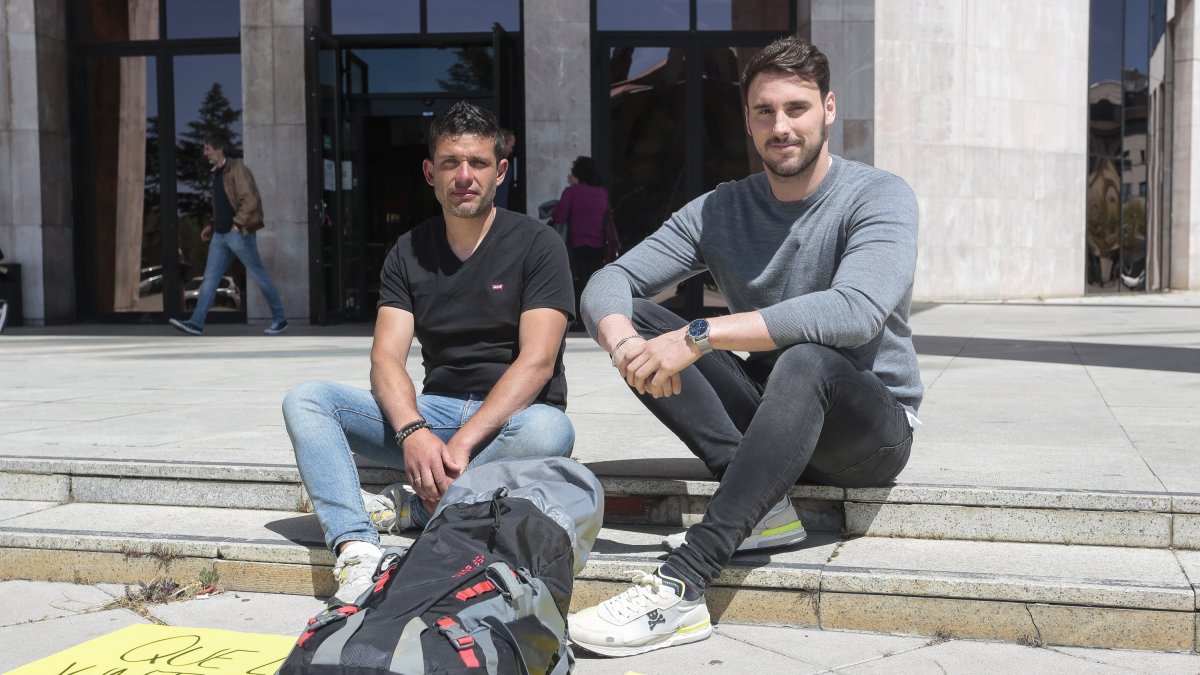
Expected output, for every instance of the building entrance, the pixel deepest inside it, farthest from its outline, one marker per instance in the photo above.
(371, 102)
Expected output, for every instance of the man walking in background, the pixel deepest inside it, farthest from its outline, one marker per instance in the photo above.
(237, 216)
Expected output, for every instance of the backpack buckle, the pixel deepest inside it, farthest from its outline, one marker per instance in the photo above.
(455, 634)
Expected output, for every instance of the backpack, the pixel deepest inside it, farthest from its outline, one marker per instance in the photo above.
(485, 588)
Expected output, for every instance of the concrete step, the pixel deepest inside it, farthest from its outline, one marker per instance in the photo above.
(1117, 597)
(639, 494)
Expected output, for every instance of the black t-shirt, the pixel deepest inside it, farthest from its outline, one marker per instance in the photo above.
(467, 313)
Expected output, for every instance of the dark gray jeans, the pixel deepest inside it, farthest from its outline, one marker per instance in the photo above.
(801, 413)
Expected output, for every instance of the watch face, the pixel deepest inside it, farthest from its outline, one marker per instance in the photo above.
(698, 329)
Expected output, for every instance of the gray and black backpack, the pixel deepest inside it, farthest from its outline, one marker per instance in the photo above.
(485, 588)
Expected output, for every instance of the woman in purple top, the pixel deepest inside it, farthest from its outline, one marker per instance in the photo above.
(583, 206)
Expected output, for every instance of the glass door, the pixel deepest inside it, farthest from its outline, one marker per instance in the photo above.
(671, 112)
(335, 228)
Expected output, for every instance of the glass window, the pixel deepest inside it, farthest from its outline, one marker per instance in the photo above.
(116, 20)
(127, 214)
(208, 98)
(353, 17)
(643, 14)
(464, 69)
(472, 16)
(771, 15)
(728, 151)
(202, 18)
(647, 113)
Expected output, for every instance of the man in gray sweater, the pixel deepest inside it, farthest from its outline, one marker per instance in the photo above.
(815, 256)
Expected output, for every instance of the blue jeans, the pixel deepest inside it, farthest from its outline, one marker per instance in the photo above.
(220, 255)
(329, 423)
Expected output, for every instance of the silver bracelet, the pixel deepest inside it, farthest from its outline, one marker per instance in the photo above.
(613, 356)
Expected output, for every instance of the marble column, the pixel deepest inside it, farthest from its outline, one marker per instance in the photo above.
(1184, 252)
(982, 108)
(845, 31)
(35, 176)
(275, 142)
(558, 102)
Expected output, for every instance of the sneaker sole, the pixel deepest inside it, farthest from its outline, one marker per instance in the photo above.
(683, 636)
(778, 537)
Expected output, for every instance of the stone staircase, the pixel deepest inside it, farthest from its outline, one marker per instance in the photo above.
(1070, 567)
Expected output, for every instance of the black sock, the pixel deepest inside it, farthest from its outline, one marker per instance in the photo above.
(691, 589)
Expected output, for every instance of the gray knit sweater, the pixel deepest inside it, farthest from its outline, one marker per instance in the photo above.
(835, 268)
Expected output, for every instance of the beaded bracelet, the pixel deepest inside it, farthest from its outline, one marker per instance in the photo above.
(410, 429)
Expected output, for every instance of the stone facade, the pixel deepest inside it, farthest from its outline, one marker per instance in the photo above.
(275, 139)
(982, 108)
(558, 99)
(1185, 207)
(35, 157)
(845, 31)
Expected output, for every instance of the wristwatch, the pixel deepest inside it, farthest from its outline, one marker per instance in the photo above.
(697, 334)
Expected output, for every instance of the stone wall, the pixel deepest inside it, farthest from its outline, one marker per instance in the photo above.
(982, 107)
(275, 141)
(35, 157)
(1184, 255)
(558, 101)
(845, 31)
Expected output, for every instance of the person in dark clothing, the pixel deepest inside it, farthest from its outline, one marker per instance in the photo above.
(237, 217)
(487, 293)
(816, 257)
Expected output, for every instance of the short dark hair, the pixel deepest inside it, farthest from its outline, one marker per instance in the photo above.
(791, 54)
(219, 141)
(585, 171)
(466, 119)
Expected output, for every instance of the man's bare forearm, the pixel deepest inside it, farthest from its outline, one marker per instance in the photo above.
(393, 389)
(515, 391)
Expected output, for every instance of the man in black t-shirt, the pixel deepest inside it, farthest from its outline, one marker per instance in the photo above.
(487, 292)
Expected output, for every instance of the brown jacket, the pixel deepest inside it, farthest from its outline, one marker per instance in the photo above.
(243, 195)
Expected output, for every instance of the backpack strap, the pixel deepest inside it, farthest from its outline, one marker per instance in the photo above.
(460, 639)
(408, 656)
(507, 580)
(330, 651)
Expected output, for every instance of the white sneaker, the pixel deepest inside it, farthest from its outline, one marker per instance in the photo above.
(649, 616)
(780, 527)
(354, 572)
(391, 510)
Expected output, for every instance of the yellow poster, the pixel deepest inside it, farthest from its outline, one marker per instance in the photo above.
(168, 650)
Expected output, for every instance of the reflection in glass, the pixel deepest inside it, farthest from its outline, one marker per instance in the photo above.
(116, 20)
(465, 69)
(642, 15)
(647, 104)
(1127, 120)
(208, 99)
(472, 16)
(353, 17)
(126, 183)
(728, 153)
(202, 18)
(742, 14)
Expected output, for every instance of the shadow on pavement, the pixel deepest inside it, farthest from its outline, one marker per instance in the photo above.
(1138, 357)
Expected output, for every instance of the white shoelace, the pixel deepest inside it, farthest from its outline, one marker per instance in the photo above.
(353, 569)
(644, 595)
